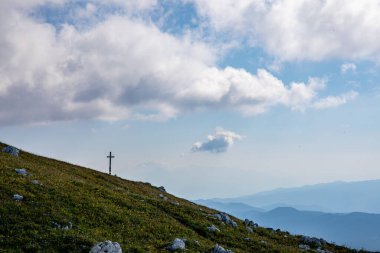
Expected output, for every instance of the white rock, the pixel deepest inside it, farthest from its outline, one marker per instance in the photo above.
(177, 244)
(35, 182)
(212, 228)
(17, 197)
(219, 249)
(21, 171)
(106, 247)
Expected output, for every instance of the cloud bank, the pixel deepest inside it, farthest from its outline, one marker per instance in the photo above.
(122, 66)
(300, 30)
(218, 142)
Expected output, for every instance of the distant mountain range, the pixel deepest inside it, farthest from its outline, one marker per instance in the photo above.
(338, 197)
(340, 222)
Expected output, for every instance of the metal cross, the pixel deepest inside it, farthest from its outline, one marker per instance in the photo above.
(110, 157)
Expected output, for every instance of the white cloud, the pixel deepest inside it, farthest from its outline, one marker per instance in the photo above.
(123, 67)
(219, 142)
(329, 102)
(300, 30)
(347, 67)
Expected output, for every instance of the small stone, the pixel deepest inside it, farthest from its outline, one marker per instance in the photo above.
(35, 182)
(175, 203)
(213, 229)
(250, 230)
(177, 244)
(11, 150)
(21, 171)
(163, 197)
(219, 249)
(106, 247)
(17, 197)
(161, 188)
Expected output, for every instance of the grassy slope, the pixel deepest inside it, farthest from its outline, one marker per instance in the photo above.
(103, 207)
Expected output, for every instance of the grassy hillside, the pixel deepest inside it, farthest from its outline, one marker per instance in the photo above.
(102, 207)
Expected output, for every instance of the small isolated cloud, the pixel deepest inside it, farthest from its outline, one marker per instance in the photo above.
(219, 142)
(347, 67)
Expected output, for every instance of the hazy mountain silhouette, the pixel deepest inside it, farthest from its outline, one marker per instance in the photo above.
(337, 197)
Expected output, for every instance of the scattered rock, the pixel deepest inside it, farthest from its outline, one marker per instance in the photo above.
(250, 225)
(161, 188)
(175, 203)
(304, 247)
(263, 242)
(106, 247)
(68, 226)
(64, 227)
(35, 182)
(17, 197)
(11, 150)
(177, 244)
(224, 217)
(163, 197)
(214, 229)
(21, 171)
(320, 250)
(219, 249)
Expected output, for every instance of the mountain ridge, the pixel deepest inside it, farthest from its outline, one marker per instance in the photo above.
(325, 197)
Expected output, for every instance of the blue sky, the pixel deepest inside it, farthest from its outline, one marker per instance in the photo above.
(208, 98)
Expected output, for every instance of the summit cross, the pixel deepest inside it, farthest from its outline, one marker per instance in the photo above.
(110, 157)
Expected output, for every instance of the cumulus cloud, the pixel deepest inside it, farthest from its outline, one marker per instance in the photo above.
(347, 67)
(123, 67)
(218, 142)
(300, 30)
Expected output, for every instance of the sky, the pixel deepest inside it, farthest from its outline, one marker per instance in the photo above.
(209, 98)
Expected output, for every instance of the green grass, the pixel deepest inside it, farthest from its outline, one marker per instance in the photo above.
(103, 207)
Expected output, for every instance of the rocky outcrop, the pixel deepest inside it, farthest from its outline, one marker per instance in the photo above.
(106, 247)
(177, 244)
(249, 223)
(11, 150)
(225, 218)
(161, 188)
(313, 241)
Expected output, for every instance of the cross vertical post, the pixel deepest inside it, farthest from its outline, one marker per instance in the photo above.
(110, 157)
